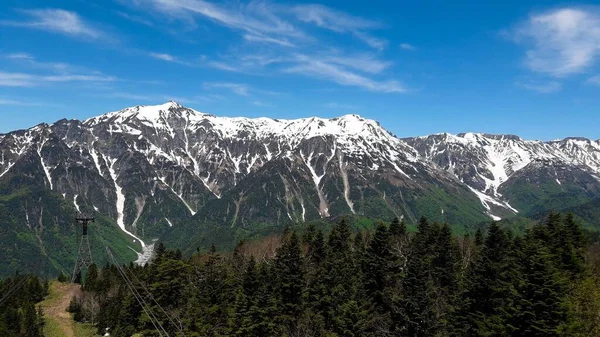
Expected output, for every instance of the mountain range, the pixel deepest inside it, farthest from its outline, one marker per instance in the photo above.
(170, 172)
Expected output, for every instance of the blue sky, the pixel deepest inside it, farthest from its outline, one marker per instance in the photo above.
(521, 67)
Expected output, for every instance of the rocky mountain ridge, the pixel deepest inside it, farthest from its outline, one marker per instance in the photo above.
(150, 168)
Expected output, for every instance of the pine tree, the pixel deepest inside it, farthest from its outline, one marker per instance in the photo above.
(30, 327)
(419, 286)
(208, 313)
(341, 283)
(491, 295)
(378, 262)
(572, 248)
(91, 278)
(397, 228)
(317, 295)
(541, 309)
(290, 281)
(444, 268)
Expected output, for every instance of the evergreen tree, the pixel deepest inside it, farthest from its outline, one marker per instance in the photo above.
(290, 281)
(30, 326)
(444, 268)
(397, 228)
(378, 262)
(91, 278)
(418, 286)
(491, 295)
(541, 309)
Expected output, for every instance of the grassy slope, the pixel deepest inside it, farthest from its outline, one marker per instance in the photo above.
(59, 322)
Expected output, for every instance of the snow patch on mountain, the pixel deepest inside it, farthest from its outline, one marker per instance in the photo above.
(120, 200)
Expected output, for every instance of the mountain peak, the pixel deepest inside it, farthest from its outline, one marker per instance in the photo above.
(150, 113)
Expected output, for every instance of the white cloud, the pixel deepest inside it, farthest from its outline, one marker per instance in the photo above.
(126, 95)
(261, 104)
(134, 18)
(264, 22)
(341, 106)
(540, 87)
(20, 56)
(236, 88)
(30, 60)
(365, 62)
(594, 80)
(319, 68)
(16, 80)
(252, 18)
(223, 66)
(340, 22)
(54, 72)
(372, 41)
(173, 59)
(164, 57)
(57, 20)
(560, 42)
(332, 19)
(8, 79)
(407, 46)
(276, 31)
(13, 102)
(267, 40)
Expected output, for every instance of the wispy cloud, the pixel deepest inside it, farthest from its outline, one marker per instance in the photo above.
(252, 18)
(261, 104)
(341, 106)
(236, 88)
(560, 42)
(8, 79)
(372, 41)
(364, 62)
(264, 22)
(332, 19)
(127, 95)
(340, 22)
(267, 40)
(540, 87)
(57, 20)
(240, 89)
(278, 42)
(164, 57)
(594, 80)
(319, 68)
(30, 61)
(40, 72)
(174, 59)
(223, 66)
(407, 46)
(20, 102)
(135, 18)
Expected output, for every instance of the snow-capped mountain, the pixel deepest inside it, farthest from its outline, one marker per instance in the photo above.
(491, 164)
(149, 168)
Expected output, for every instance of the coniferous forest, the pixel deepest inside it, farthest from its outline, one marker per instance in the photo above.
(19, 313)
(385, 282)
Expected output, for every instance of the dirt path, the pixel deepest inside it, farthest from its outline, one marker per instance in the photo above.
(55, 306)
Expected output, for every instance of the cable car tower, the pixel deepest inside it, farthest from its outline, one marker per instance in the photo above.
(84, 257)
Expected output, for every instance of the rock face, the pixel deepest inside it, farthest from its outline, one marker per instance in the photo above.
(510, 174)
(149, 168)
